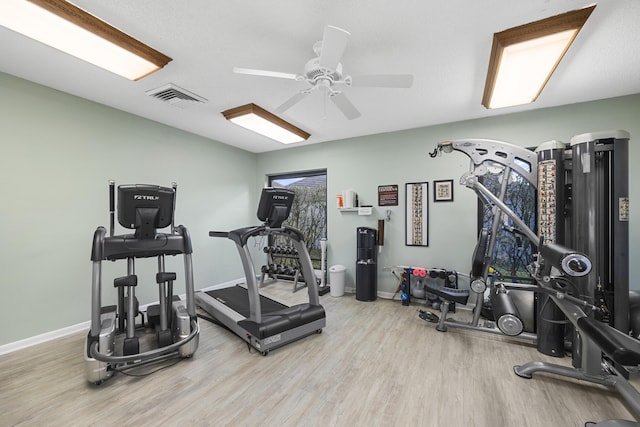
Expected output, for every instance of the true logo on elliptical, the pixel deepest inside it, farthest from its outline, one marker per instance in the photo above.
(277, 197)
(144, 197)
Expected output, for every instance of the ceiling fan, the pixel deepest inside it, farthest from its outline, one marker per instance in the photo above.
(325, 71)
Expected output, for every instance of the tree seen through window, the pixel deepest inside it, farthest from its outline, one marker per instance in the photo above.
(309, 210)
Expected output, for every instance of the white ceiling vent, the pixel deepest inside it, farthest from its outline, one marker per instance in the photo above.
(175, 95)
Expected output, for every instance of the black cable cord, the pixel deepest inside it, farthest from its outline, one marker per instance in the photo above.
(434, 153)
(124, 370)
(585, 305)
(566, 283)
(555, 322)
(606, 300)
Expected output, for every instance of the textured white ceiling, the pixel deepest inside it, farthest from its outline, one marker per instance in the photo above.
(444, 44)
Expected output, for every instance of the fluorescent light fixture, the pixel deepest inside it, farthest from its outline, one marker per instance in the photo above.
(261, 121)
(523, 58)
(68, 28)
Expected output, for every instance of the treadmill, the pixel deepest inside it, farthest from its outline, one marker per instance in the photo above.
(263, 323)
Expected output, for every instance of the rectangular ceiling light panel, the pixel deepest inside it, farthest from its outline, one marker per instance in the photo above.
(259, 120)
(523, 58)
(68, 28)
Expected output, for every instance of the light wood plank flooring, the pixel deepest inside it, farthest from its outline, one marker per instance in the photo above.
(375, 364)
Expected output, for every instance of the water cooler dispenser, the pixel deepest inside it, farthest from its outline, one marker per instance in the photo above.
(366, 264)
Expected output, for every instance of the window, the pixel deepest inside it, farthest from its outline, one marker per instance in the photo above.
(309, 210)
(513, 251)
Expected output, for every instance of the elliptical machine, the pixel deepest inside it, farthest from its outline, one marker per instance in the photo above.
(145, 209)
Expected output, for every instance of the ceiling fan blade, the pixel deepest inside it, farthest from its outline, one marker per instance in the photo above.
(264, 73)
(383, 80)
(291, 102)
(334, 42)
(347, 108)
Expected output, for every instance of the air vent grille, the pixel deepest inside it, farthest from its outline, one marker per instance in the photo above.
(175, 95)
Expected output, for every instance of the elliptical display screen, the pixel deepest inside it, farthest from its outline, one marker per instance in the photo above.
(146, 207)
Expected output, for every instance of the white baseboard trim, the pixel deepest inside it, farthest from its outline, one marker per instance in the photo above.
(224, 285)
(379, 294)
(84, 326)
(47, 336)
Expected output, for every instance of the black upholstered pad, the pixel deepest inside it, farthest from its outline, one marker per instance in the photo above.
(449, 294)
(621, 348)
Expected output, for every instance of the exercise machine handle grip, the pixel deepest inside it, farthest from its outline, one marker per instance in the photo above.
(112, 206)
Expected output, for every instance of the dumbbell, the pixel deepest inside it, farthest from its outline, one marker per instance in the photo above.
(418, 272)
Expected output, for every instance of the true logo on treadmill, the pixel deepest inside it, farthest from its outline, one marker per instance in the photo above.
(145, 197)
(272, 339)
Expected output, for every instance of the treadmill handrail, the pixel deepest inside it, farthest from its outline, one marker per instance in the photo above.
(242, 235)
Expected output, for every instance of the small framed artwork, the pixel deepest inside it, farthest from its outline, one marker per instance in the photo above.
(388, 195)
(443, 191)
(417, 214)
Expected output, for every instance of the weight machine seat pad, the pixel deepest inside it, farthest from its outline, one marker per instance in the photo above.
(621, 348)
(283, 320)
(460, 296)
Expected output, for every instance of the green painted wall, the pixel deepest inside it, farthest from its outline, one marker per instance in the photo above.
(365, 163)
(58, 153)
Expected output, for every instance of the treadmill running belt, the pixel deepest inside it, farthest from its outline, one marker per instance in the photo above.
(237, 299)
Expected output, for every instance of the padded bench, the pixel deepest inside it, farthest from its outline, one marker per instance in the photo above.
(621, 348)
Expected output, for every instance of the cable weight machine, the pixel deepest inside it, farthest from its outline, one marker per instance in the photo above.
(589, 284)
(503, 159)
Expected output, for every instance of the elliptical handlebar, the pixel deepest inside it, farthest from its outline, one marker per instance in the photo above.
(174, 185)
(112, 207)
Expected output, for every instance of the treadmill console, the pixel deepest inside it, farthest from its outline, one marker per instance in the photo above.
(275, 206)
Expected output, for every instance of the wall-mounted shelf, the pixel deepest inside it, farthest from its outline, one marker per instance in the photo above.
(362, 210)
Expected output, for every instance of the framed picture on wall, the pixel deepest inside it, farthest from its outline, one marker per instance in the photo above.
(443, 191)
(417, 214)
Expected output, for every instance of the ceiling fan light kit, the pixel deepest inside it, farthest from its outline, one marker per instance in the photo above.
(68, 28)
(523, 58)
(325, 71)
(259, 120)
